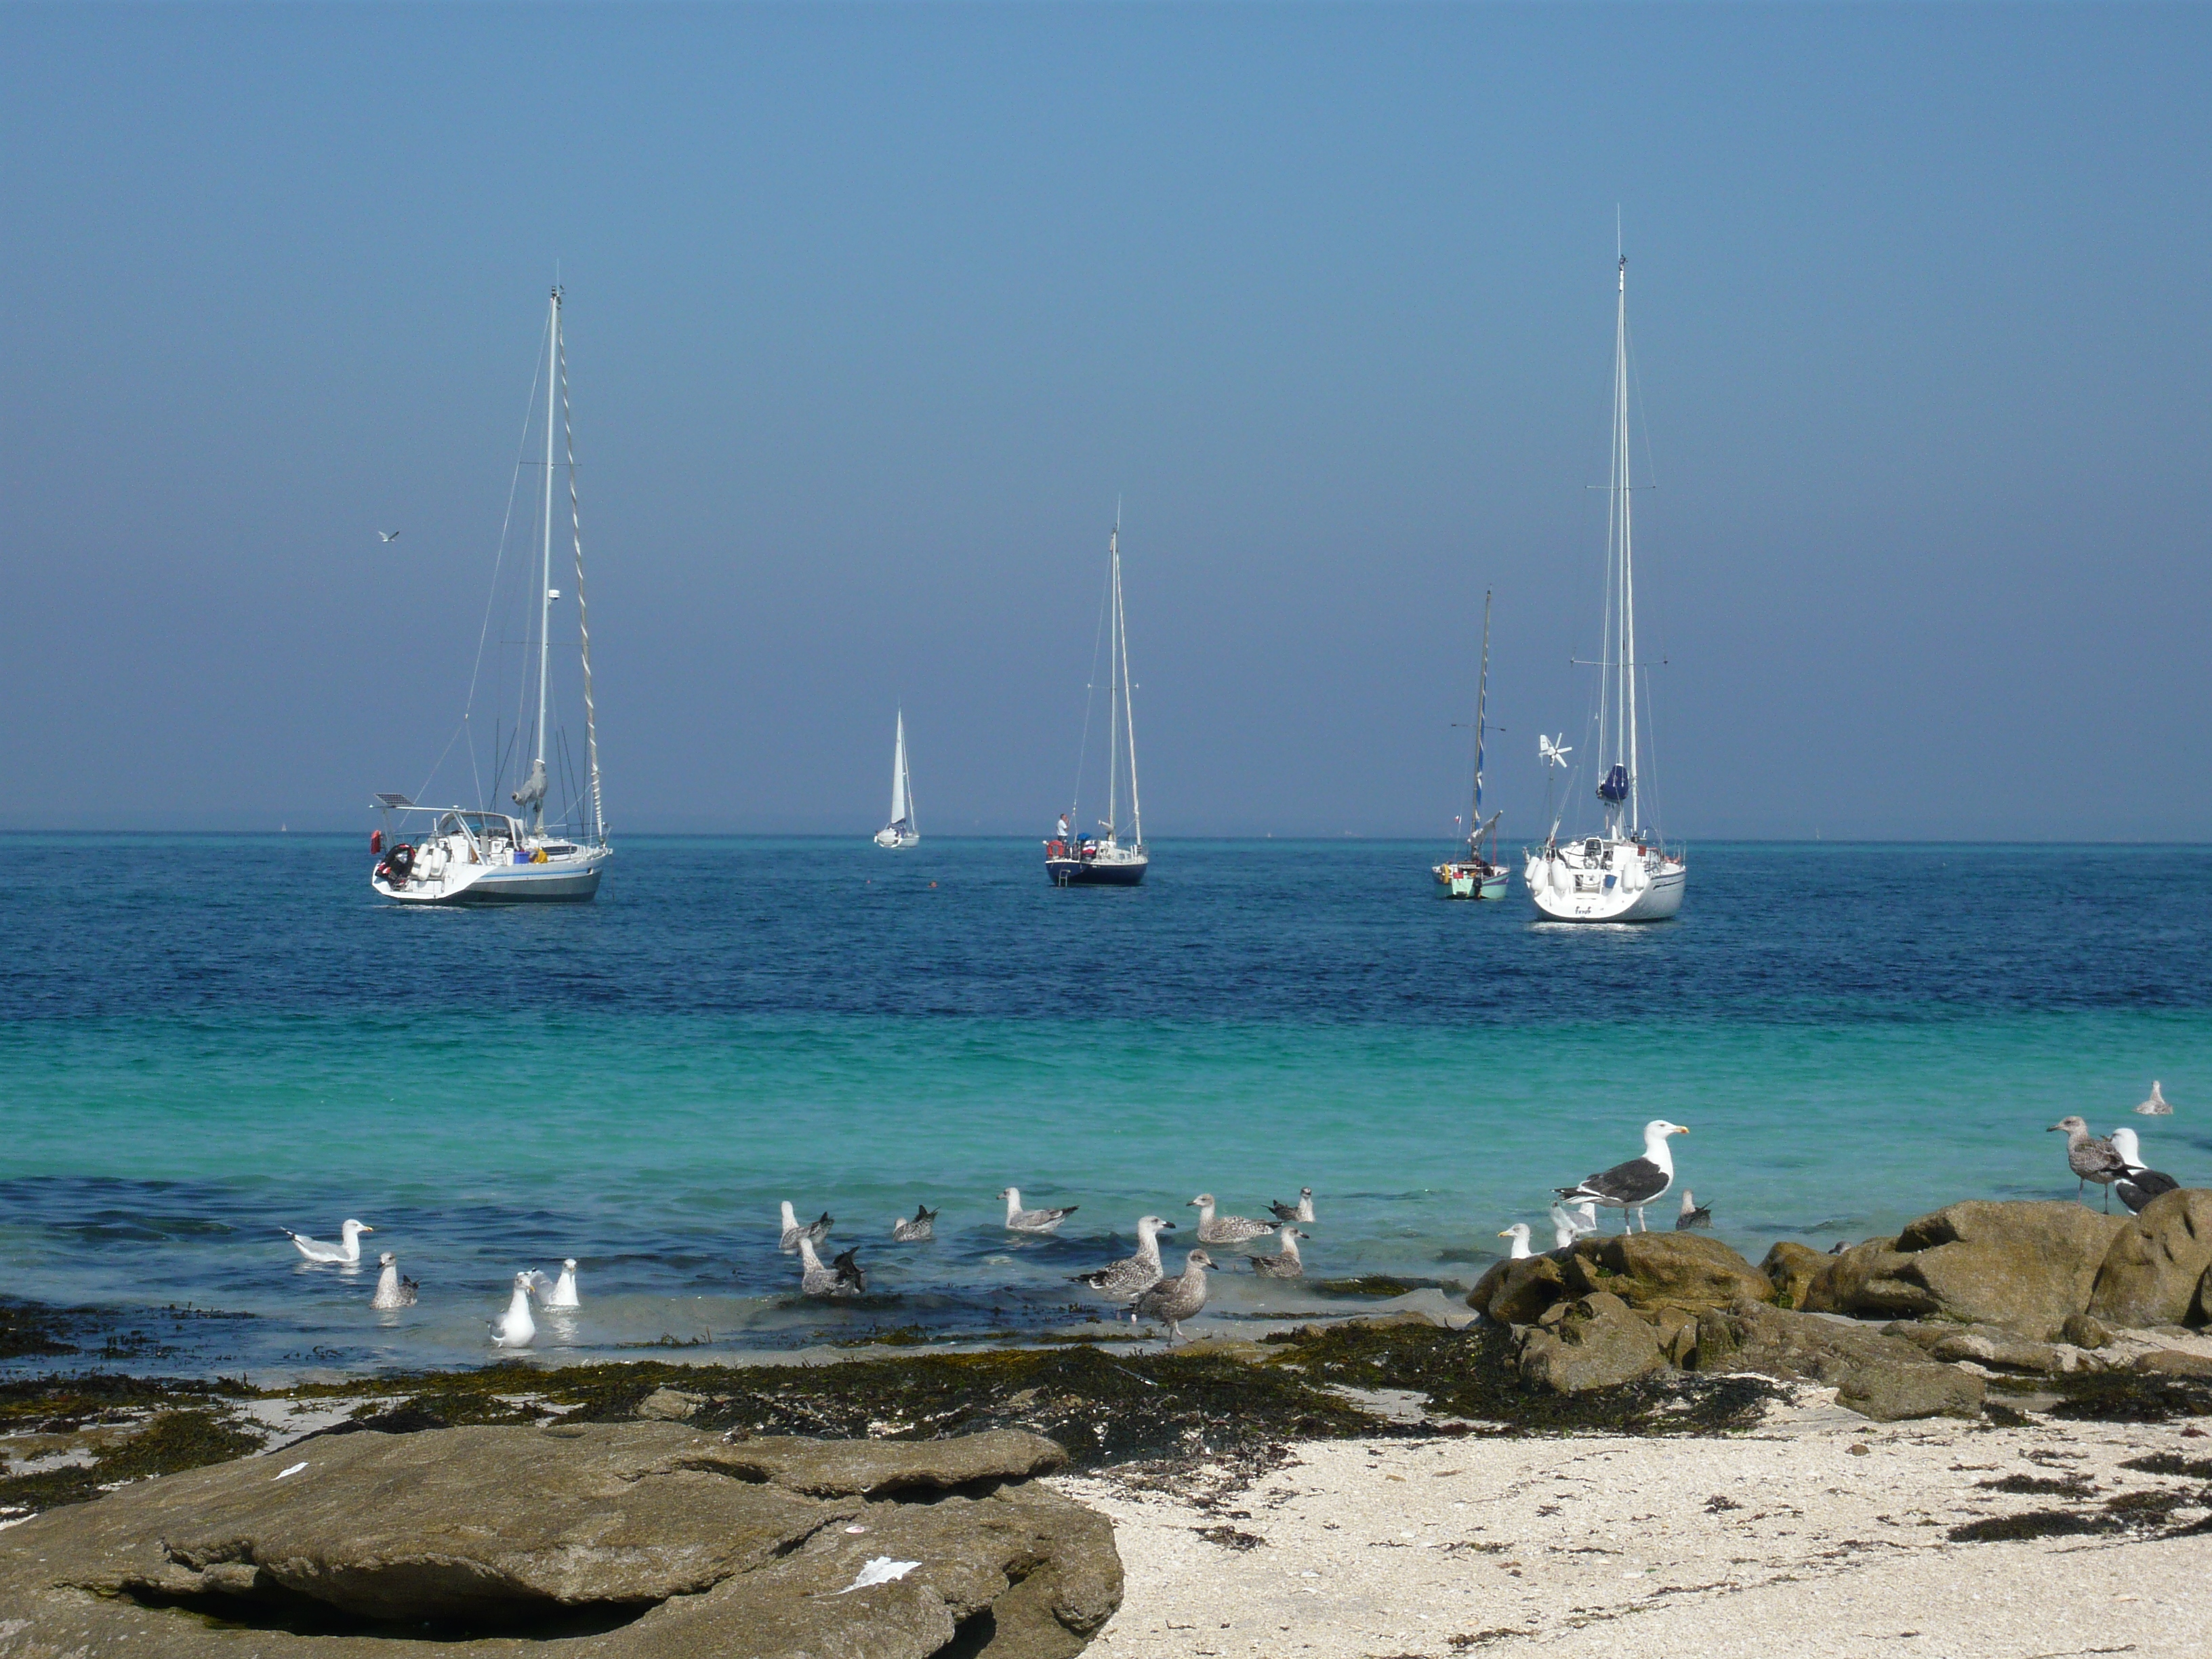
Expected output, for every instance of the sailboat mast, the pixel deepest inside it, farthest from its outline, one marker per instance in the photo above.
(1128, 708)
(583, 612)
(1627, 698)
(1481, 700)
(1114, 680)
(898, 771)
(545, 569)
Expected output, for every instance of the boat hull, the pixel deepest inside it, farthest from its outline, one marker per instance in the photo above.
(893, 841)
(1603, 899)
(1473, 881)
(1093, 873)
(553, 883)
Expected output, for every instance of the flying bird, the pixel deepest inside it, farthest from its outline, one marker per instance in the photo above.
(387, 535)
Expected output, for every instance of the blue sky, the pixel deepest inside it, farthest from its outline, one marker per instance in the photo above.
(874, 313)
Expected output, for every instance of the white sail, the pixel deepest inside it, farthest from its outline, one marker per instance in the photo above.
(898, 772)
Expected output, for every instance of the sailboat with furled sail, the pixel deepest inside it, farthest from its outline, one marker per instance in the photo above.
(485, 856)
(1479, 875)
(1624, 874)
(900, 832)
(1106, 860)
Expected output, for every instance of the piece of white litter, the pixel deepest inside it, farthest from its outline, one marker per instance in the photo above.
(881, 1571)
(856, 1529)
(294, 1469)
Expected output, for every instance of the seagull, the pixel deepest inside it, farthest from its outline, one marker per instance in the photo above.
(1632, 1185)
(1519, 1233)
(516, 1328)
(1565, 1230)
(1126, 1280)
(564, 1290)
(1019, 1220)
(1694, 1214)
(387, 535)
(2155, 1106)
(1285, 1263)
(851, 1281)
(392, 1290)
(815, 1280)
(921, 1228)
(2090, 1157)
(1174, 1300)
(1301, 1211)
(2137, 1186)
(816, 1231)
(346, 1254)
(1227, 1229)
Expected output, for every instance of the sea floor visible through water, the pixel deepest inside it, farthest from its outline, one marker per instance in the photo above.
(212, 1038)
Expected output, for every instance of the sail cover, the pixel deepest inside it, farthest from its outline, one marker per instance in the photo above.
(533, 786)
(1615, 786)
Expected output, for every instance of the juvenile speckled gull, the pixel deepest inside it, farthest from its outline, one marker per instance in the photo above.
(347, 1254)
(1227, 1229)
(1132, 1275)
(918, 1231)
(817, 1229)
(392, 1290)
(2090, 1157)
(1632, 1185)
(2156, 1105)
(1174, 1300)
(1301, 1211)
(815, 1280)
(1286, 1262)
(1694, 1214)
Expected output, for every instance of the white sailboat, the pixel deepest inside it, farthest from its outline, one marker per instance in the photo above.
(1072, 860)
(900, 831)
(478, 856)
(1479, 875)
(1624, 874)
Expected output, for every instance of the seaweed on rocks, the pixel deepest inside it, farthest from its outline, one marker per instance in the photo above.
(2193, 1468)
(172, 1442)
(2036, 1523)
(2126, 1396)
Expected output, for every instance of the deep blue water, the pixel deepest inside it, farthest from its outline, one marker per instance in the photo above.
(211, 1037)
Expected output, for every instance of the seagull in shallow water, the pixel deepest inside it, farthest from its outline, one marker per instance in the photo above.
(2137, 1186)
(515, 1328)
(392, 1290)
(2090, 1157)
(563, 1294)
(850, 1279)
(1126, 1280)
(817, 1230)
(1694, 1214)
(1286, 1262)
(920, 1230)
(1226, 1229)
(1174, 1300)
(1632, 1185)
(2155, 1106)
(815, 1280)
(1019, 1220)
(347, 1254)
(1301, 1211)
(1519, 1233)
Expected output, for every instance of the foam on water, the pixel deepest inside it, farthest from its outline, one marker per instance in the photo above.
(214, 1037)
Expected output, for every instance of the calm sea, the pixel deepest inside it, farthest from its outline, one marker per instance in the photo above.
(209, 1038)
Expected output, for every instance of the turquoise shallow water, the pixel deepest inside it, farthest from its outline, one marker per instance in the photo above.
(212, 1038)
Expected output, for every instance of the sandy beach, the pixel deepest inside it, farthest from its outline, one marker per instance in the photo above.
(1819, 1526)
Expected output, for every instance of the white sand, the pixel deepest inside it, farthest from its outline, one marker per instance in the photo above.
(1393, 1547)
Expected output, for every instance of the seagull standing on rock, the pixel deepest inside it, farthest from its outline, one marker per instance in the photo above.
(1632, 1185)
(1227, 1229)
(2136, 1185)
(1019, 1220)
(345, 1254)
(1174, 1300)
(2090, 1157)
(1519, 1233)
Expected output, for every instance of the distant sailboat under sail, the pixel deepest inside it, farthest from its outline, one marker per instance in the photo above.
(900, 831)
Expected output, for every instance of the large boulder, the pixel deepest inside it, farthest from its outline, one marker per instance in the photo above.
(2154, 1272)
(1687, 1271)
(1598, 1343)
(2023, 1266)
(1790, 1268)
(656, 1540)
(1884, 1378)
(1515, 1292)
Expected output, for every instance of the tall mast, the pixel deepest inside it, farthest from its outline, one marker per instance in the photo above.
(1113, 678)
(583, 612)
(1482, 698)
(1129, 709)
(1627, 566)
(545, 571)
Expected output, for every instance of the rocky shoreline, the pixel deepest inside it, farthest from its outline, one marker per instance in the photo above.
(2036, 1322)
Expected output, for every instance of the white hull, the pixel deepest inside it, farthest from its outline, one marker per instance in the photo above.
(448, 870)
(895, 840)
(1621, 883)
